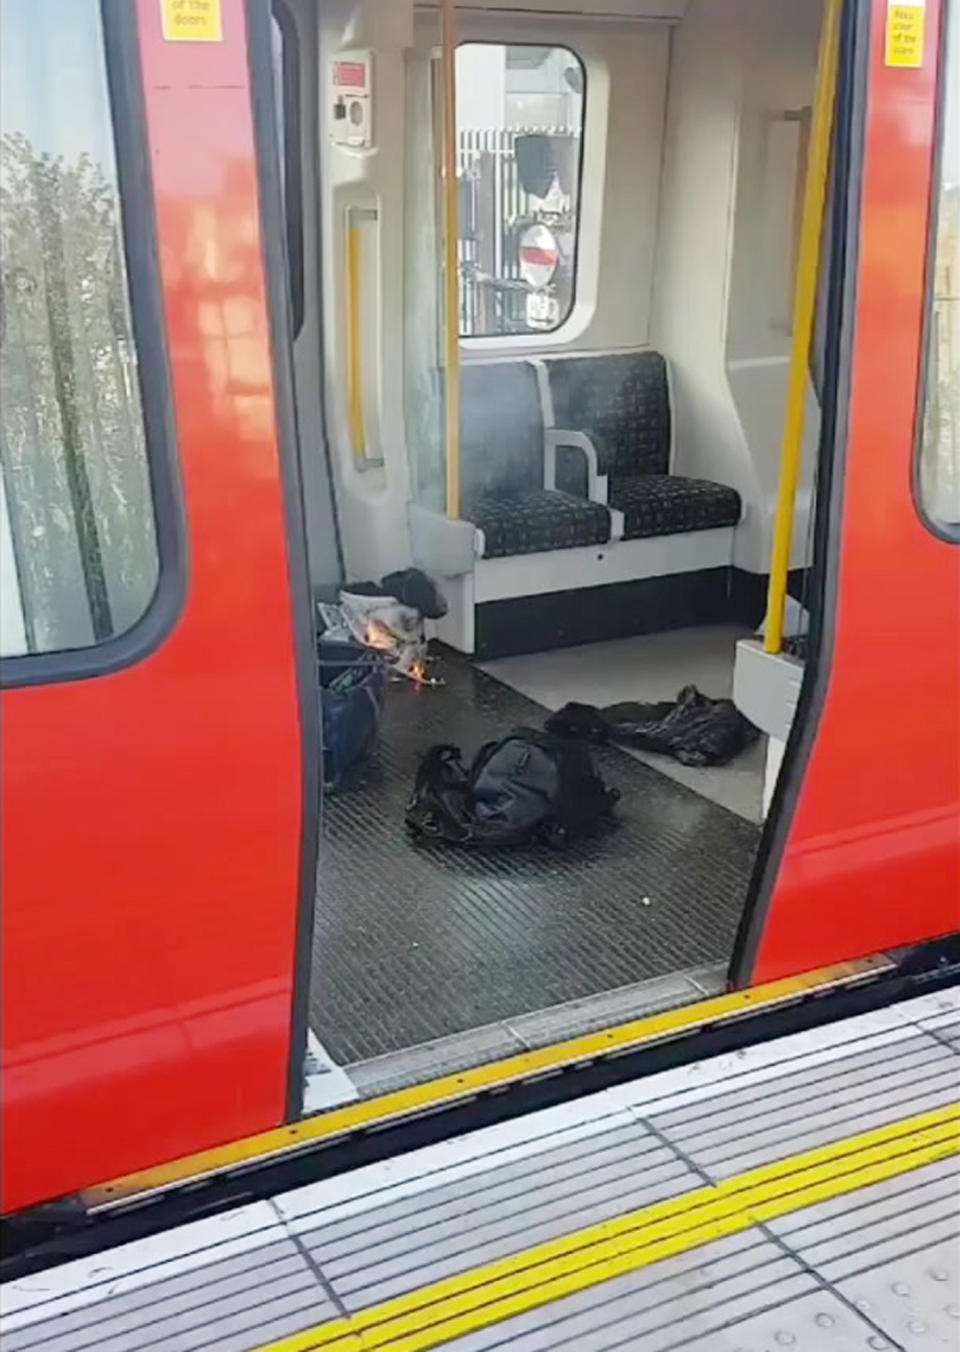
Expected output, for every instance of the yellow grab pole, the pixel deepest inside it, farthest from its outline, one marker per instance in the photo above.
(451, 272)
(354, 355)
(804, 305)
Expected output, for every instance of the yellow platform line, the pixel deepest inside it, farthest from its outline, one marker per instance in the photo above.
(339, 1122)
(500, 1290)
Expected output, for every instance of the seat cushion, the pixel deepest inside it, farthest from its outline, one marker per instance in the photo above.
(666, 504)
(531, 523)
(622, 400)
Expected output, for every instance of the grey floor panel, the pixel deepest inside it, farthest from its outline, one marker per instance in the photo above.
(914, 1298)
(819, 1129)
(920, 1075)
(650, 667)
(854, 1214)
(232, 1330)
(813, 1323)
(415, 943)
(723, 1144)
(854, 1073)
(466, 1222)
(902, 1245)
(700, 1316)
(901, 1233)
(949, 1033)
(880, 1244)
(231, 1324)
(657, 1307)
(183, 1307)
(492, 1236)
(454, 1241)
(503, 1189)
(286, 1325)
(892, 1251)
(651, 1287)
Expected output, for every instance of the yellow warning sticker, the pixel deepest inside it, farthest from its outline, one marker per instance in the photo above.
(192, 21)
(905, 26)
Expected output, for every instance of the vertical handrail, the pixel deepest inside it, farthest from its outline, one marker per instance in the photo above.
(451, 274)
(354, 349)
(804, 306)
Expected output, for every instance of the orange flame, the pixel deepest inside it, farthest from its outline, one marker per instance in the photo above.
(375, 636)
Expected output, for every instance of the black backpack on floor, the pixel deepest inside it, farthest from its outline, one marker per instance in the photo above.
(526, 787)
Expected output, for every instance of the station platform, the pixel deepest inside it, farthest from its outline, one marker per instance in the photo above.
(802, 1193)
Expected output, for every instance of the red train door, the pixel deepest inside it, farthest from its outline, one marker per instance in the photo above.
(159, 769)
(160, 782)
(863, 849)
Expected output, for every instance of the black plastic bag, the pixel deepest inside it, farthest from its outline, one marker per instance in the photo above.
(693, 728)
(525, 787)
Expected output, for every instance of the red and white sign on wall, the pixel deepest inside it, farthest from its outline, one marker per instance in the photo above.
(350, 77)
(351, 100)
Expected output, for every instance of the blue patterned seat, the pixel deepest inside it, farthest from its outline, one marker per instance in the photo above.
(502, 467)
(529, 523)
(622, 402)
(667, 504)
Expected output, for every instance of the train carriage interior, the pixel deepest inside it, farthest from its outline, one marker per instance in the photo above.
(591, 526)
(594, 530)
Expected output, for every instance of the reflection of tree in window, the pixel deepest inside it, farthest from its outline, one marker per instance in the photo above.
(72, 435)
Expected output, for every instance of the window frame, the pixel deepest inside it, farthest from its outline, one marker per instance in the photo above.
(291, 152)
(524, 339)
(149, 334)
(947, 531)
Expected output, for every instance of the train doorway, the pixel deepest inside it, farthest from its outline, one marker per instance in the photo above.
(586, 537)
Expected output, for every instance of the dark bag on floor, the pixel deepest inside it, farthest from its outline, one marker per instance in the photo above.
(353, 682)
(526, 787)
(693, 728)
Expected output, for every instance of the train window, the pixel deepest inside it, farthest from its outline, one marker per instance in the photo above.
(78, 518)
(939, 460)
(519, 137)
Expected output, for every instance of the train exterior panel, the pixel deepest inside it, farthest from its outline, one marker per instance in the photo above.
(160, 810)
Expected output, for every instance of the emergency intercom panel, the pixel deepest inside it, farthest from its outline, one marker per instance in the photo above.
(351, 100)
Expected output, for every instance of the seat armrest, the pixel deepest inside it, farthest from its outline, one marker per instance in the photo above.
(439, 545)
(596, 459)
(605, 452)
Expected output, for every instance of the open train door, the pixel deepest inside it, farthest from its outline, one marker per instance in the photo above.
(160, 779)
(160, 746)
(854, 861)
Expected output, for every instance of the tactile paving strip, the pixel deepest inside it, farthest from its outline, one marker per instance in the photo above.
(892, 1252)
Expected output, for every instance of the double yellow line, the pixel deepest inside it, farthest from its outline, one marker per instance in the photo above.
(486, 1295)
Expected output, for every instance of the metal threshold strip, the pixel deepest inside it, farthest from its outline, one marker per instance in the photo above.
(279, 1142)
